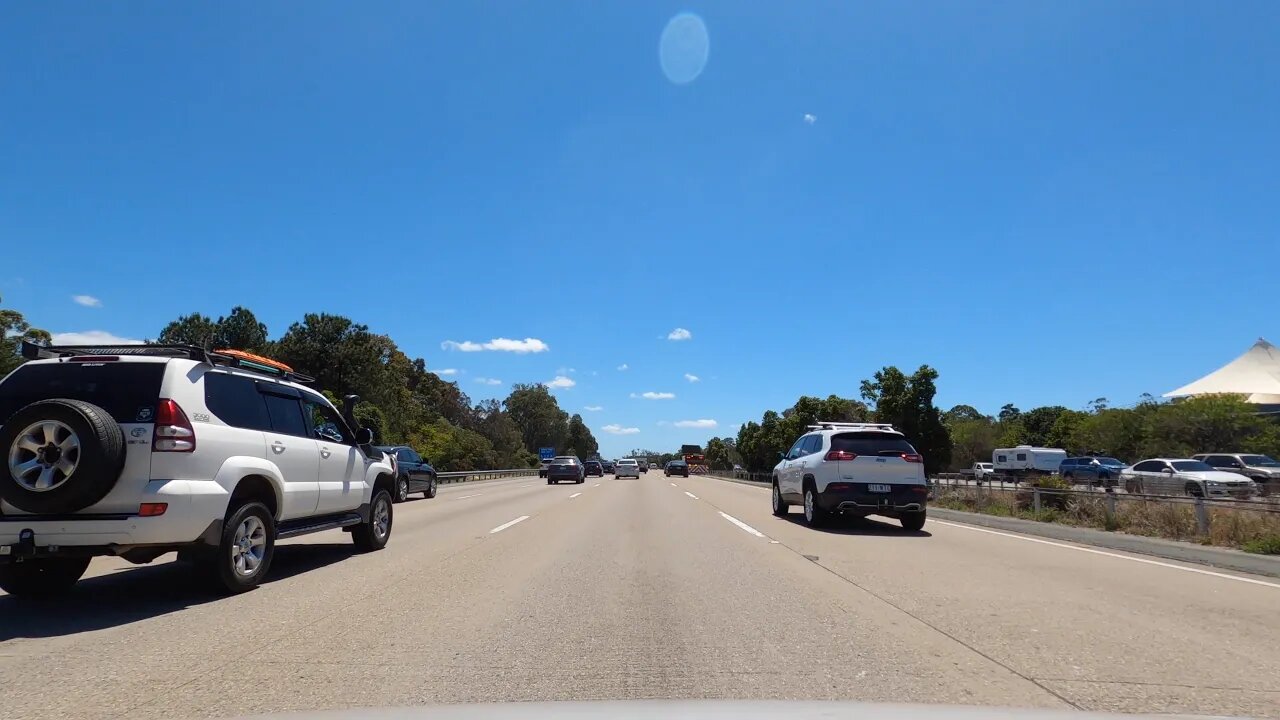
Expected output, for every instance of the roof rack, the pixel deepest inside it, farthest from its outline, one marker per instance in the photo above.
(32, 351)
(829, 425)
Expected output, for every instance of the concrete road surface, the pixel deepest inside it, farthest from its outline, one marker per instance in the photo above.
(649, 588)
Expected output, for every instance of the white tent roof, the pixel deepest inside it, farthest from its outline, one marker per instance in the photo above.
(1255, 374)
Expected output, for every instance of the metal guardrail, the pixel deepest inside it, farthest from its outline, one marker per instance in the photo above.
(1110, 497)
(472, 475)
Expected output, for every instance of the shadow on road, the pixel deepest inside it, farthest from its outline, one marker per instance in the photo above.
(134, 594)
(839, 525)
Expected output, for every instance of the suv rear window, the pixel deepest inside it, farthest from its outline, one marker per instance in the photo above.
(871, 443)
(126, 390)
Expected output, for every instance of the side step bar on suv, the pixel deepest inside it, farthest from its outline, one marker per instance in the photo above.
(306, 526)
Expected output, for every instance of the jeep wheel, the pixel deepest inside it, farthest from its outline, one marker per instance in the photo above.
(245, 551)
(912, 521)
(374, 534)
(431, 488)
(59, 456)
(402, 489)
(814, 516)
(41, 577)
(779, 505)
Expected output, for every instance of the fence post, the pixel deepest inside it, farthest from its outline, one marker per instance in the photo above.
(1111, 506)
(1035, 496)
(1202, 516)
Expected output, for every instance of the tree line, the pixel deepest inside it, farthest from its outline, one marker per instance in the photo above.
(401, 400)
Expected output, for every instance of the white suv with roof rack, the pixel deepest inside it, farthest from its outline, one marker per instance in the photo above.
(137, 451)
(854, 469)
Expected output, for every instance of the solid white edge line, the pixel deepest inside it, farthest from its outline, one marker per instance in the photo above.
(1130, 558)
(506, 525)
(574, 495)
(686, 492)
(741, 524)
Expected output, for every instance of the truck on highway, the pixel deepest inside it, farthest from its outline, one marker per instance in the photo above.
(1027, 460)
(693, 457)
(979, 471)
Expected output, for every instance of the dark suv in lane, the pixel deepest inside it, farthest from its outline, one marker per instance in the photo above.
(565, 468)
(593, 467)
(413, 472)
(676, 467)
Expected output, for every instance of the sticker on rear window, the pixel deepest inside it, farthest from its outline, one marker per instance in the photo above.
(144, 414)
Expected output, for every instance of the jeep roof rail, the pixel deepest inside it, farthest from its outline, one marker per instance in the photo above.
(829, 425)
(32, 351)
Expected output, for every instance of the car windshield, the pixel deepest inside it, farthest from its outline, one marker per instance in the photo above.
(858, 454)
(1258, 461)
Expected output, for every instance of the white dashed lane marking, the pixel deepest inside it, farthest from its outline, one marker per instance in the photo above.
(686, 492)
(741, 524)
(506, 525)
(574, 495)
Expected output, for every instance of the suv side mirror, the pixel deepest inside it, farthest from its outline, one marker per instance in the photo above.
(364, 436)
(1167, 471)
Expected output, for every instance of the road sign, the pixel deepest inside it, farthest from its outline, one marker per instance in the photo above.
(546, 453)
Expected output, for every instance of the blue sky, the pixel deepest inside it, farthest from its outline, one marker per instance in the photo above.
(1048, 202)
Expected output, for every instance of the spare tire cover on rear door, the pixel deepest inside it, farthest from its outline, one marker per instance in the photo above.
(59, 456)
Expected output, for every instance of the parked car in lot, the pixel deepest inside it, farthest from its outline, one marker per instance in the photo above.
(413, 472)
(1183, 476)
(1264, 471)
(855, 469)
(565, 468)
(592, 468)
(1093, 469)
(627, 467)
(138, 451)
(676, 467)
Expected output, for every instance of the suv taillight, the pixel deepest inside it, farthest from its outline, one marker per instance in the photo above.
(913, 457)
(840, 455)
(173, 431)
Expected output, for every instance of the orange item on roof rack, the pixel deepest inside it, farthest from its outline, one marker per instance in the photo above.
(255, 359)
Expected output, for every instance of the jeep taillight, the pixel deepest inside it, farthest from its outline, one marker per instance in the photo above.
(913, 457)
(840, 455)
(173, 431)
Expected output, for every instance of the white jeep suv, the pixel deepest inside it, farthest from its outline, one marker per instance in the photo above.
(852, 468)
(140, 450)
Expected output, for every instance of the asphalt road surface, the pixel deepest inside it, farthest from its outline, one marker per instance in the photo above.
(649, 588)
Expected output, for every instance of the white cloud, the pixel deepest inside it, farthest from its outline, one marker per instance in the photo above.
(561, 381)
(654, 395)
(92, 337)
(695, 423)
(566, 371)
(86, 300)
(592, 408)
(624, 366)
(447, 371)
(679, 334)
(488, 381)
(692, 378)
(619, 430)
(520, 347)
(810, 118)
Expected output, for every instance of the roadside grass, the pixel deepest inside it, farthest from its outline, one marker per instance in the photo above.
(1248, 530)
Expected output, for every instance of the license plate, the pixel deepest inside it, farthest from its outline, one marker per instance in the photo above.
(878, 488)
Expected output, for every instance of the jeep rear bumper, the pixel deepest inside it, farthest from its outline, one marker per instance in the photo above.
(858, 498)
(194, 507)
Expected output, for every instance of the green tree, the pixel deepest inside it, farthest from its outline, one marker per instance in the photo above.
(972, 440)
(541, 421)
(962, 412)
(717, 455)
(194, 329)
(241, 331)
(580, 439)
(1038, 422)
(907, 403)
(13, 330)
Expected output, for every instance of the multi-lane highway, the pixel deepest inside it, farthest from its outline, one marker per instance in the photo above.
(650, 588)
